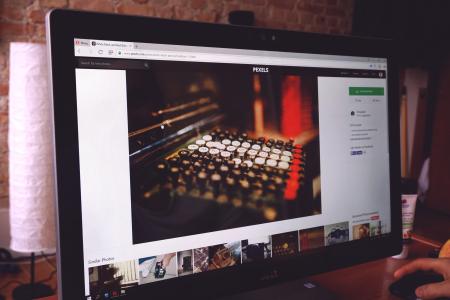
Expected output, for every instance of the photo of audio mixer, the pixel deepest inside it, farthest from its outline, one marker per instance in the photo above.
(220, 146)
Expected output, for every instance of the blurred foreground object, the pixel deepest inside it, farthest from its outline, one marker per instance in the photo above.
(31, 176)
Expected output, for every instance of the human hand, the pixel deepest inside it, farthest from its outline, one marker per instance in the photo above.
(437, 265)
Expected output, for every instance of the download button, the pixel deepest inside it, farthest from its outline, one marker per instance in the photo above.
(366, 91)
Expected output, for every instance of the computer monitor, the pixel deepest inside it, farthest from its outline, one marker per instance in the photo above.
(207, 159)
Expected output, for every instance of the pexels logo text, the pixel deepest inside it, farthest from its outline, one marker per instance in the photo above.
(260, 70)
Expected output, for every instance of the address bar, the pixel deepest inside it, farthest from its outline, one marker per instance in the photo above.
(241, 59)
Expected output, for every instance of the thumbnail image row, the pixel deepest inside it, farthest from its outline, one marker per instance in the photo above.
(171, 265)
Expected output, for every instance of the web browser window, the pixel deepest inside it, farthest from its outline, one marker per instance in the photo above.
(194, 159)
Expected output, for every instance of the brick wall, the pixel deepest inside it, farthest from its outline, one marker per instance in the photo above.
(23, 20)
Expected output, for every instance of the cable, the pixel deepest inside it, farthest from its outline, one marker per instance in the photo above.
(48, 261)
(9, 283)
(48, 278)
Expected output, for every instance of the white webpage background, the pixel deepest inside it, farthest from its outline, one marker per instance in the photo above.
(353, 185)
(347, 188)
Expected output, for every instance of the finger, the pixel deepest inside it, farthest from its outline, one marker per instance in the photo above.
(424, 264)
(434, 290)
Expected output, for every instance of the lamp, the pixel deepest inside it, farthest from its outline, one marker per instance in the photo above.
(31, 175)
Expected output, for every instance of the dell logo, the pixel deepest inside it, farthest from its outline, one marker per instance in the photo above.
(272, 275)
(260, 70)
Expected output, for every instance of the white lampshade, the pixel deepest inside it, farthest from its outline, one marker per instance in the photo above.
(31, 174)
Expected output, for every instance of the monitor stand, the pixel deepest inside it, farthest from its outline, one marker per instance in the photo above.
(292, 290)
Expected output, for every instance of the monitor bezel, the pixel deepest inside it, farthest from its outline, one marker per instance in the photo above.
(65, 25)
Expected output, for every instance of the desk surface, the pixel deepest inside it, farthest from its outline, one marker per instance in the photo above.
(369, 281)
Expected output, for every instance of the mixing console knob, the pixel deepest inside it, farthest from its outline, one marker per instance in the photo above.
(268, 169)
(244, 167)
(282, 173)
(236, 173)
(188, 178)
(201, 179)
(245, 188)
(270, 188)
(279, 182)
(226, 154)
(200, 142)
(249, 163)
(226, 142)
(174, 174)
(193, 147)
(210, 168)
(241, 151)
(260, 161)
(215, 182)
(183, 153)
(245, 145)
(251, 176)
(207, 137)
(161, 167)
(198, 166)
(264, 179)
(185, 164)
(236, 161)
(217, 161)
(230, 184)
(173, 162)
(213, 151)
(224, 169)
(230, 163)
(235, 143)
(271, 162)
(256, 168)
(194, 156)
(257, 185)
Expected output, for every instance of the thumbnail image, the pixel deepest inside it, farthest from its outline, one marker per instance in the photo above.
(110, 280)
(201, 259)
(312, 238)
(155, 268)
(256, 249)
(376, 228)
(284, 244)
(224, 255)
(361, 231)
(185, 262)
(336, 233)
(217, 146)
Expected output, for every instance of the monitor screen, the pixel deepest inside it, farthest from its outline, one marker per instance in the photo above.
(195, 159)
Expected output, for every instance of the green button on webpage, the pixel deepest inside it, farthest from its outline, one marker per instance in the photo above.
(366, 91)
